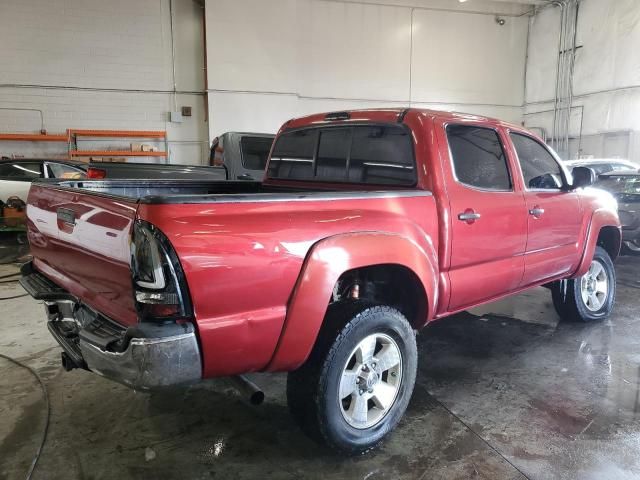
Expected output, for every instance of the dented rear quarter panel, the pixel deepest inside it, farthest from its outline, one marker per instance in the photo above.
(243, 260)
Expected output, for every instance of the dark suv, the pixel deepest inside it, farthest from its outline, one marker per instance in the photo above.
(625, 186)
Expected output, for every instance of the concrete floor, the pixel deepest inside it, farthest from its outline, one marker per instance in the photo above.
(505, 392)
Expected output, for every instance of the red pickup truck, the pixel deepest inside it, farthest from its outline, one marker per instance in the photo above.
(368, 226)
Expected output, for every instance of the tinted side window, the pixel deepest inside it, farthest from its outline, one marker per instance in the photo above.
(255, 151)
(292, 158)
(21, 170)
(372, 154)
(539, 168)
(58, 170)
(478, 158)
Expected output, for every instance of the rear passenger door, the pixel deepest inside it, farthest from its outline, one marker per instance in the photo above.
(488, 221)
(554, 213)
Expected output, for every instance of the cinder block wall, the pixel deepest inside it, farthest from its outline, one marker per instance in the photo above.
(105, 65)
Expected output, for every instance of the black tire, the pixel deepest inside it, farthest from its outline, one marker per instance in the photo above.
(631, 248)
(568, 299)
(312, 390)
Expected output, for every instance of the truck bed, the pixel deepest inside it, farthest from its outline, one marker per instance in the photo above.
(223, 236)
(197, 191)
(136, 170)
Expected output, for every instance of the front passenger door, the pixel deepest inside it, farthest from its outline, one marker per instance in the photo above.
(554, 214)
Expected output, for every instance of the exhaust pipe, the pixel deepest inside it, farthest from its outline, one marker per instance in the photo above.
(248, 389)
(67, 362)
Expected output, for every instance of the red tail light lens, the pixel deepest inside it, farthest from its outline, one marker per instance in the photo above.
(96, 173)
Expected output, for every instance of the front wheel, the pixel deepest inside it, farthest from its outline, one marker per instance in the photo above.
(589, 297)
(357, 382)
(631, 247)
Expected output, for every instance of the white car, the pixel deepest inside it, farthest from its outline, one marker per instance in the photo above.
(603, 165)
(16, 175)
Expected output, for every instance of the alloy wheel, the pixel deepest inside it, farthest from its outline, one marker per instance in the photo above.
(370, 381)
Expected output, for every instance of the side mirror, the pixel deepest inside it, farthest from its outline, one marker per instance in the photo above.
(546, 180)
(583, 177)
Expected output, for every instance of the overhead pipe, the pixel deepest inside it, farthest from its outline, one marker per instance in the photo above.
(572, 63)
(42, 129)
(563, 96)
(554, 130)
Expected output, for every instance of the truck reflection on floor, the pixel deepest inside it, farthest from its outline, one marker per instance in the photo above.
(14, 248)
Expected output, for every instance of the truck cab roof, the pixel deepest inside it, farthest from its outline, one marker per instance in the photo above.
(390, 115)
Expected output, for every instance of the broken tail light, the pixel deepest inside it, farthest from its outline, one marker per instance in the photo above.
(159, 284)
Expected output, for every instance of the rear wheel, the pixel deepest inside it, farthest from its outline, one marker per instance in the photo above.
(589, 297)
(358, 381)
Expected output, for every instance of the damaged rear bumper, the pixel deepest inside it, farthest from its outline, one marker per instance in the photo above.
(144, 357)
(148, 363)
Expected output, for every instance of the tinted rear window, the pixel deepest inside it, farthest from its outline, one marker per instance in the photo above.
(371, 154)
(293, 155)
(20, 171)
(255, 151)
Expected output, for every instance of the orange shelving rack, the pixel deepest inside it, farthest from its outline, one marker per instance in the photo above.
(73, 135)
(34, 137)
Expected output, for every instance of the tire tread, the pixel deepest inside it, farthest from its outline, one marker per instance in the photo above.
(307, 385)
(566, 299)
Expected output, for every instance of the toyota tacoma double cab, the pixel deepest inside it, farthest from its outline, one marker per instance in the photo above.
(368, 226)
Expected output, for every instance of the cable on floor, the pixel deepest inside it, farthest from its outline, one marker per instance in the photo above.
(15, 296)
(46, 399)
(10, 275)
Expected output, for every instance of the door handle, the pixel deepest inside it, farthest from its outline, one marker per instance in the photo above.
(468, 216)
(536, 211)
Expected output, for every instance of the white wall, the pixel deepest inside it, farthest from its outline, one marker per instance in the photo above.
(271, 61)
(606, 80)
(106, 65)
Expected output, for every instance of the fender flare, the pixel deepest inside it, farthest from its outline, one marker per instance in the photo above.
(326, 261)
(601, 218)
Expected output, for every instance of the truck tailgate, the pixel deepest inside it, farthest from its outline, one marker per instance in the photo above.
(80, 241)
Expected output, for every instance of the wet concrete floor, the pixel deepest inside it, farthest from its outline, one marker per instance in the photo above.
(503, 392)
